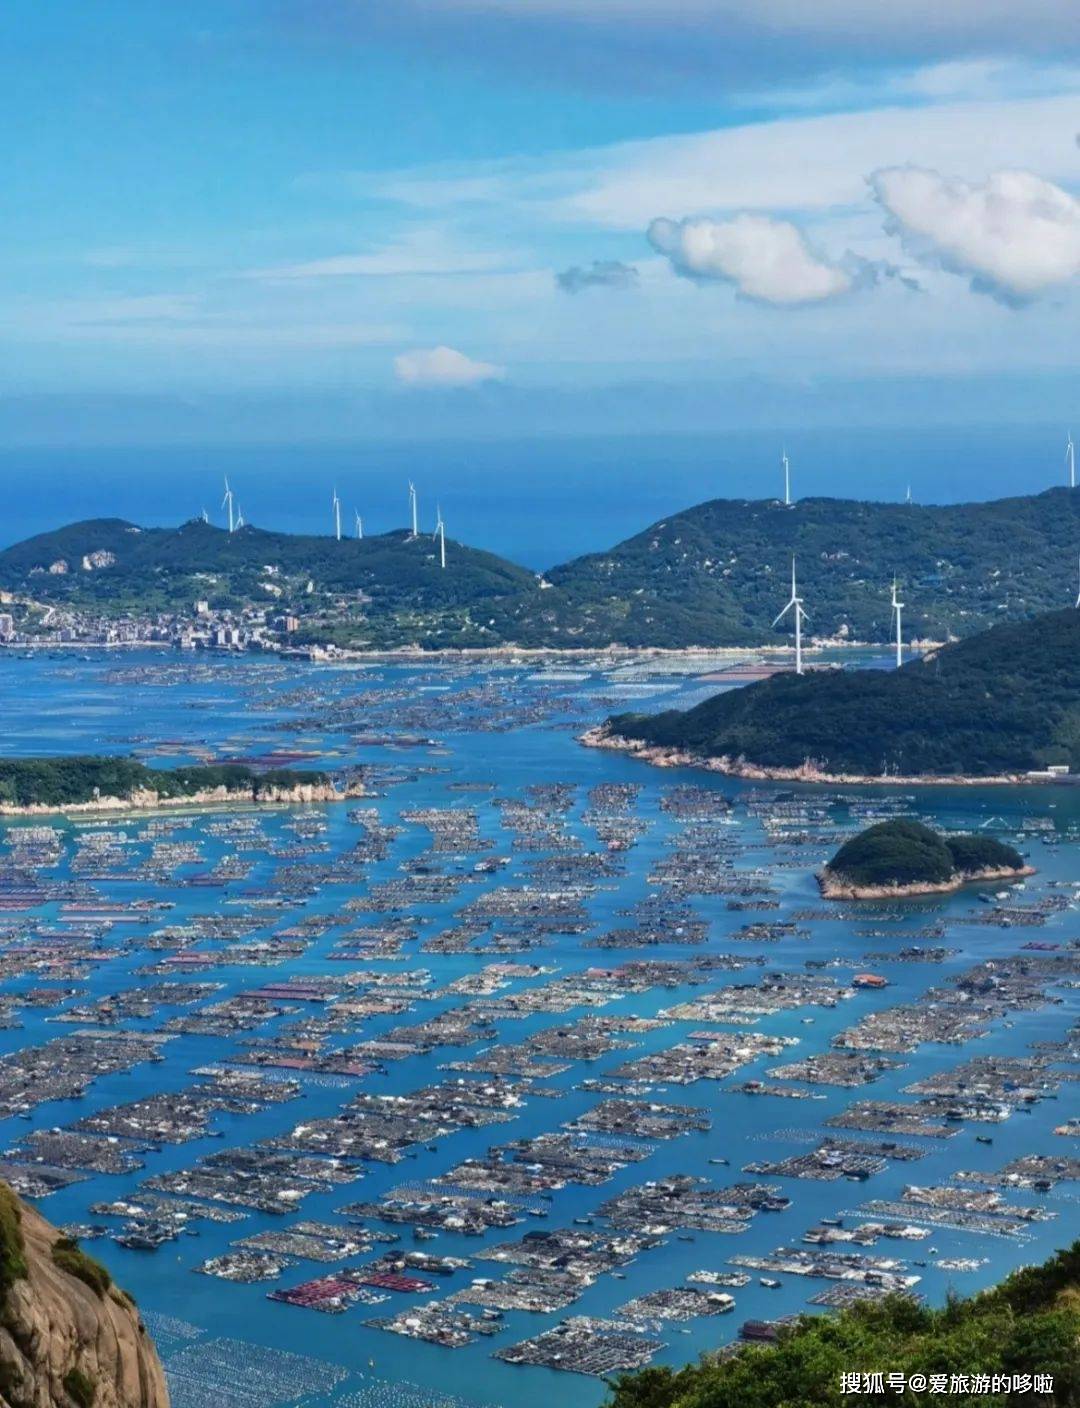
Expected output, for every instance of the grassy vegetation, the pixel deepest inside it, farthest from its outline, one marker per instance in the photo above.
(1004, 701)
(12, 1249)
(70, 1257)
(80, 1388)
(904, 852)
(57, 782)
(1029, 1324)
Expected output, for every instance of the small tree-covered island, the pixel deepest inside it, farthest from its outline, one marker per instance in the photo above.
(88, 783)
(904, 857)
(1003, 706)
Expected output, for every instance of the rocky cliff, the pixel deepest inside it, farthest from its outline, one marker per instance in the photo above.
(68, 1337)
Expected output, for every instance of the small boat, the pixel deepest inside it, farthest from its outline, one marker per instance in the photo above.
(769, 1282)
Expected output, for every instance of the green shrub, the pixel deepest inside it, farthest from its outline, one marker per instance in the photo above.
(80, 1388)
(12, 1249)
(1027, 1324)
(69, 1257)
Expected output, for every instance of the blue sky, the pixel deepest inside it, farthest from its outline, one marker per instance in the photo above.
(522, 215)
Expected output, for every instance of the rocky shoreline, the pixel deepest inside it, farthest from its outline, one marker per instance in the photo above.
(834, 888)
(147, 800)
(600, 737)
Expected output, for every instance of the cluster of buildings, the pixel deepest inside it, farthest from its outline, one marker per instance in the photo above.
(205, 628)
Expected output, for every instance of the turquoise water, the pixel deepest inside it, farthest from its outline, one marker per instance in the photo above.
(114, 704)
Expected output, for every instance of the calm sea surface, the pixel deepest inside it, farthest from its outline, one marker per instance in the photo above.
(173, 709)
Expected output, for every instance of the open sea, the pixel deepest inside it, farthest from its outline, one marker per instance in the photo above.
(539, 502)
(452, 737)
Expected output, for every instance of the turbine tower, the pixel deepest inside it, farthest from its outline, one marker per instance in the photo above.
(335, 505)
(227, 502)
(413, 509)
(1070, 460)
(1078, 599)
(800, 616)
(907, 497)
(785, 465)
(440, 533)
(359, 524)
(897, 607)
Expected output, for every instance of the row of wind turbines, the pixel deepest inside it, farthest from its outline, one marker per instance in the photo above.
(235, 518)
(795, 605)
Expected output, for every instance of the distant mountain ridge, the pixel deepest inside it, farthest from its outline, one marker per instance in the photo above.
(713, 575)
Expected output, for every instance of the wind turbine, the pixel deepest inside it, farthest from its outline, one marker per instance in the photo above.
(205, 516)
(413, 509)
(239, 516)
(359, 524)
(227, 502)
(785, 465)
(907, 496)
(1078, 599)
(800, 617)
(335, 505)
(1070, 460)
(440, 533)
(897, 607)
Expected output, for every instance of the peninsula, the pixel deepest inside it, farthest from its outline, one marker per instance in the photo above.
(1002, 706)
(904, 857)
(29, 786)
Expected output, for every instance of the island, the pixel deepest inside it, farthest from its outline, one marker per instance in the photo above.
(711, 576)
(1001, 706)
(904, 857)
(1028, 1325)
(29, 786)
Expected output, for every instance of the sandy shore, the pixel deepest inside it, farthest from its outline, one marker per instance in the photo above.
(808, 771)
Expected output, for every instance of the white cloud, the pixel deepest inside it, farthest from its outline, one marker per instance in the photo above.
(418, 253)
(1014, 234)
(767, 260)
(443, 366)
(802, 162)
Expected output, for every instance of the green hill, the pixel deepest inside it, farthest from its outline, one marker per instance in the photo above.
(713, 575)
(70, 781)
(1004, 701)
(904, 852)
(1028, 1325)
(385, 590)
(718, 573)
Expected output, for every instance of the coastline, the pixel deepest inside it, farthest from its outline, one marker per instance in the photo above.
(324, 654)
(599, 737)
(148, 801)
(833, 888)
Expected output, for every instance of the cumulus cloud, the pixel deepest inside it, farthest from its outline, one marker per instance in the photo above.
(767, 260)
(1014, 235)
(443, 366)
(601, 273)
